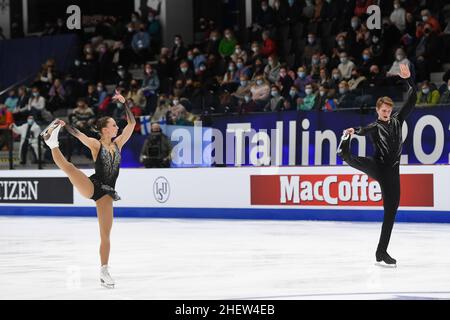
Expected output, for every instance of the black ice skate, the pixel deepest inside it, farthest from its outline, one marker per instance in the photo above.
(385, 260)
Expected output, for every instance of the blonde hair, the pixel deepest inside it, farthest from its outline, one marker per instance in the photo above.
(385, 100)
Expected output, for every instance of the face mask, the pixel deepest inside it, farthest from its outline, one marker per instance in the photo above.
(77, 63)
(100, 89)
(259, 82)
(355, 25)
(238, 51)
(336, 76)
(270, 63)
(448, 88)
(243, 83)
(324, 61)
(292, 93)
(365, 57)
(184, 70)
(396, 6)
(30, 121)
(343, 60)
(308, 3)
(322, 93)
(35, 94)
(119, 105)
(202, 68)
(308, 91)
(425, 90)
(342, 90)
(315, 61)
(175, 102)
(231, 68)
(399, 57)
(341, 43)
(89, 50)
(282, 74)
(177, 43)
(247, 99)
(264, 8)
(254, 49)
(425, 18)
(228, 36)
(121, 73)
(301, 74)
(190, 58)
(133, 19)
(130, 29)
(311, 40)
(291, 2)
(150, 19)
(239, 65)
(274, 93)
(374, 39)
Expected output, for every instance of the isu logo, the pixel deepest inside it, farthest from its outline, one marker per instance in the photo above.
(334, 190)
(161, 189)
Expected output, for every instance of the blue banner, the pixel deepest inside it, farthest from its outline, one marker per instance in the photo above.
(311, 138)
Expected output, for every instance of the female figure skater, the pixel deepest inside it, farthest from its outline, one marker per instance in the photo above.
(386, 135)
(100, 186)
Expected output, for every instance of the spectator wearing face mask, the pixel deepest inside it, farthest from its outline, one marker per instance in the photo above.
(366, 62)
(400, 58)
(302, 80)
(184, 71)
(429, 20)
(425, 55)
(136, 94)
(428, 95)
(260, 92)
(227, 44)
(179, 51)
(105, 61)
(285, 81)
(213, 42)
(29, 134)
(123, 77)
(312, 47)
(321, 98)
(344, 99)
(291, 101)
(308, 101)
(247, 104)
(36, 104)
(272, 69)
(230, 80)
(276, 101)
(56, 96)
(150, 88)
(12, 100)
(239, 53)
(346, 66)
(264, 18)
(445, 97)
(336, 78)
(243, 69)
(398, 16)
(141, 44)
(242, 90)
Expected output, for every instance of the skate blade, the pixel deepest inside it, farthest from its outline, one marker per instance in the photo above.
(44, 134)
(385, 265)
(105, 285)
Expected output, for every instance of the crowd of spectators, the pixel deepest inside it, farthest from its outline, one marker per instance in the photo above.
(297, 55)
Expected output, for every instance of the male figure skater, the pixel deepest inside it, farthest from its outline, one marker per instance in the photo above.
(386, 135)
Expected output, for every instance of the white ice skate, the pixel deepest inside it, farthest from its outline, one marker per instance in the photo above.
(50, 134)
(345, 137)
(105, 278)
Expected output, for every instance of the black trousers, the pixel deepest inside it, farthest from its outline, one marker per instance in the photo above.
(388, 177)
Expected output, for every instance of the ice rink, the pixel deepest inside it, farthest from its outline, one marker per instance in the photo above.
(57, 258)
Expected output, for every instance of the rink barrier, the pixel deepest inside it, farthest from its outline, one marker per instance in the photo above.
(235, 214)
(335, 193)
